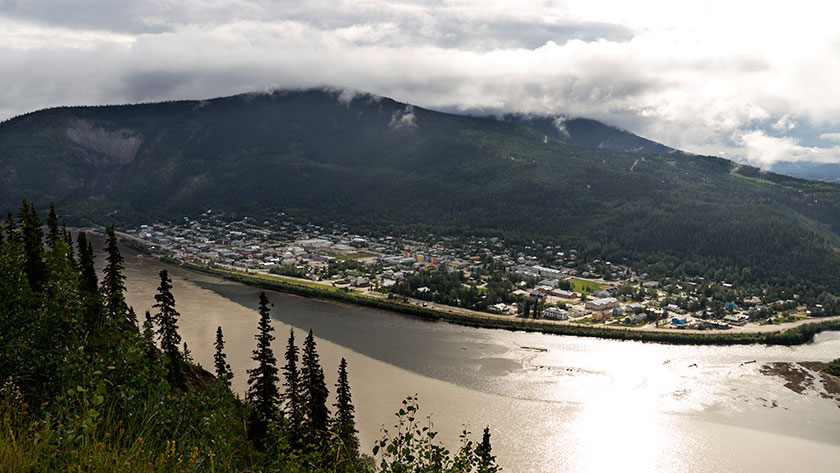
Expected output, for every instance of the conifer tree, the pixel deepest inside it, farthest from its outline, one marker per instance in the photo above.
(292, 394)
(132, 317)
(68, 238)
(167, 319)
(187, 354)
(148, 324)
(88, 284)
(223, 372)
(11, 227)
(262, 380)
(33, 245)
(345, 421)
(486, 461)
(314, 390)
(113, 280)
(148, 335)
(52, 226)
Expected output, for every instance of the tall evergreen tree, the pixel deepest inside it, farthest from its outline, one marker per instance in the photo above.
(187, 353)
(52, 226)
(148, 324)
(486, 461)
(33, 245)
(223, 372)
(262, 381)
(132, 317)
(292, 384)
(68, 238)
(148, 335)
(88, 284)
(11, 227)
(167, 319)
(113, 280)
(345, 421)
(314, 391)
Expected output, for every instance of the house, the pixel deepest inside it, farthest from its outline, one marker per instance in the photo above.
(564, 294)
(555, 313)
(635, 318)
(736, 319)
(359, 282)
(634, 308)
(605, 303)
(598, 316)
(498, 308)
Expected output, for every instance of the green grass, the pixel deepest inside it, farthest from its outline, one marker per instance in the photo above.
(580, 285)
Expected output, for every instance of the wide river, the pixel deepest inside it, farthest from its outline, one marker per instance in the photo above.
(553, 403)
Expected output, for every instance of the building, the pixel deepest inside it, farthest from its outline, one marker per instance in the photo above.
(555, 313)
(564, 294)
(603, 304)
(736, 319)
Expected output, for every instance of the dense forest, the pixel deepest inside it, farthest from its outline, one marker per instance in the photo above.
(86, 386)
(382, 166)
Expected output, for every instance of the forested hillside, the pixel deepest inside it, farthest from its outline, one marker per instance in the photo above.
(380, 165)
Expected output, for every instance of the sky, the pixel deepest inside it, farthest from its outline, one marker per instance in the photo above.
(753, 81)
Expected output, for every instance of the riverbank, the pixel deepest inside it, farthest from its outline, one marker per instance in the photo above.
(799, 334)
(806, 376)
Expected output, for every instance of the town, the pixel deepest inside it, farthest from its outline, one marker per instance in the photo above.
(469, 275)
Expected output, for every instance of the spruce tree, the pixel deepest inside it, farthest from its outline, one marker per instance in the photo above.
(345, 421)
(262, 380)
(314, 390)
(52, 226)
(292, 395)
(113, 280)
(223, 372)
(187, 354)
(11, 228)
(167, 319)
(33, 245)
(148, 335)
(88, 284)
(132, 317)
(486, 461)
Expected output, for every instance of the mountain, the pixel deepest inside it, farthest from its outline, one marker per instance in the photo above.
(587, 133)
(381, 165)
(826, 172)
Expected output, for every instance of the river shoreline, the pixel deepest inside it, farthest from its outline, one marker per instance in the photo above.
(798, 335)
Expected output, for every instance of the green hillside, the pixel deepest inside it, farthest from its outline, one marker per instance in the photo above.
(378, 164)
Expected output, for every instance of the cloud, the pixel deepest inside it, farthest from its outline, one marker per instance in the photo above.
(560, 124)
(708, 77)
(403, 118)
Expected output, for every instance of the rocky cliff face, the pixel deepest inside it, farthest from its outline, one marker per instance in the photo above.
(104, 147)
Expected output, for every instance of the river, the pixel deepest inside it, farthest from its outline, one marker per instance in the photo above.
(553, 403)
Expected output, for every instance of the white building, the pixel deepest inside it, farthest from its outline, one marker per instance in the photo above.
(606, 303)
(555, 313)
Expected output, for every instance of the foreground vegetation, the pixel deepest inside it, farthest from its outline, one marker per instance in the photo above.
(83, 389)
